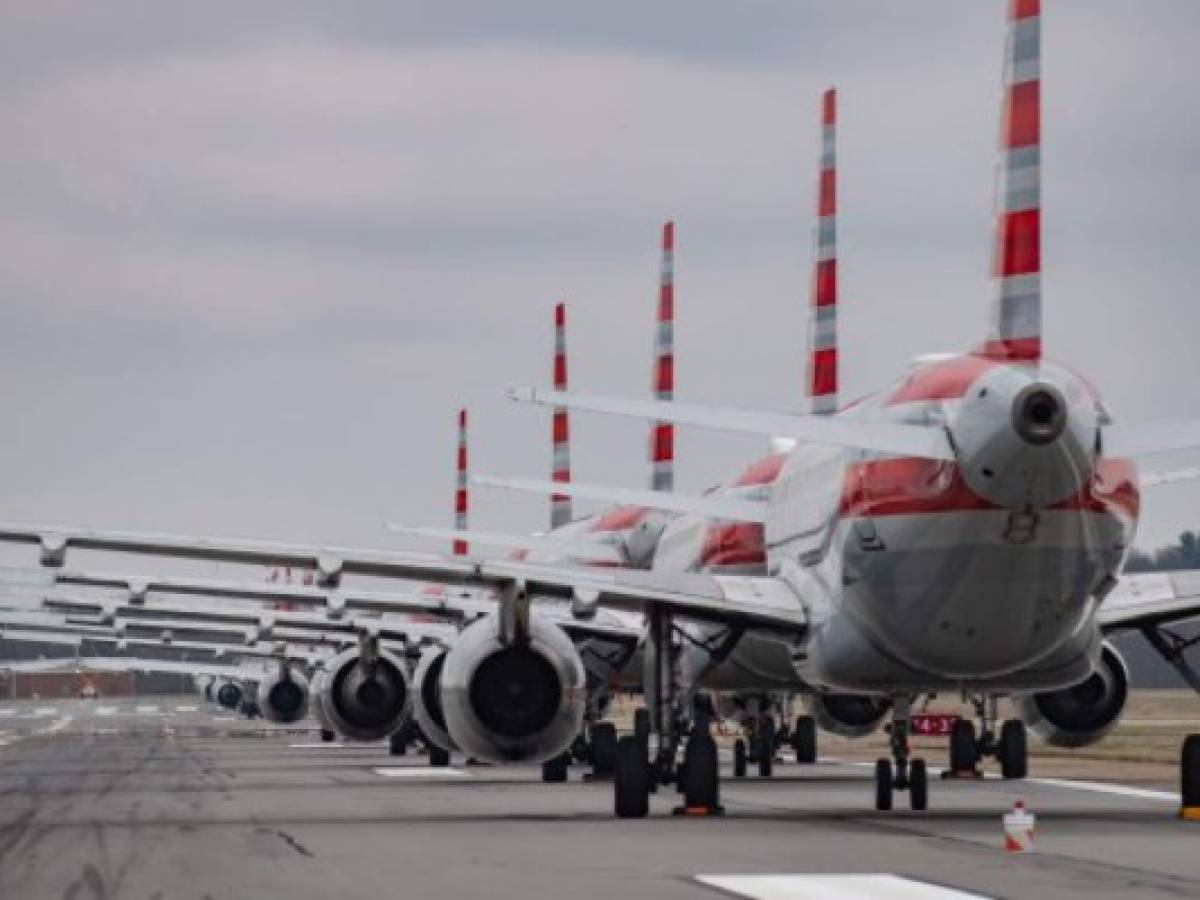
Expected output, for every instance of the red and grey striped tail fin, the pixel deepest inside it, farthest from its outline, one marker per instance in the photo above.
(1017, 264)
(560, 467)
(823, 349)
(662, 434)
(460, 484)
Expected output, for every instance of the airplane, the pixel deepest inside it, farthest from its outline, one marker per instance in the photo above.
(963, 530)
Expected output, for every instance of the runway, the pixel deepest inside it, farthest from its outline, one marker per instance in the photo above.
(181, 801)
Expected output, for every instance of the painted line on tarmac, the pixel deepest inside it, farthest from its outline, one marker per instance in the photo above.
(1096, 787)
(322, 745)
(1120, 790)
(106, 710)
(8, 712)
(43, 711)
(146, 709)
(420, 772)
(833, 887)
(185, 709)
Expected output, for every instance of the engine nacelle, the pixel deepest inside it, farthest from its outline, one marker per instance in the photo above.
(283, 697)
(427, 697)
(1083, 714)
(366, 701)
(521, 701)
(849, 715)
(230, 695)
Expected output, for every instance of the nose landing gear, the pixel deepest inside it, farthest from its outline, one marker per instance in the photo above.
(900, 773)
(1009, 747)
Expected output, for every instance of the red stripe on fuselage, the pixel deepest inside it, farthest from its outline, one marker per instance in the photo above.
(945, 380)
(909, 486)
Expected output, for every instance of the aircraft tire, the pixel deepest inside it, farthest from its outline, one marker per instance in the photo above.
(804, 740)
(554, 771)
(1013, 749)
(631, 784)
(739, 758)
(883, 784)
(918, 785)
(964, 750)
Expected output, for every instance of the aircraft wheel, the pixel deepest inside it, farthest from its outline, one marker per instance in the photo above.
(964, 750)
(641, 723)
(398, 744)
(554, 771)
(804, 739)
(700, 779)
(883, 784)
(1012, 749)
(739, 758)
(438, 756)
(631, 784)
(604, 749)
(328, 736)
(918, 785)
(766, 746)
(1190, 773)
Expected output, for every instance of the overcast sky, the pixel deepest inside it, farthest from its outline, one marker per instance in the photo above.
(254, 256)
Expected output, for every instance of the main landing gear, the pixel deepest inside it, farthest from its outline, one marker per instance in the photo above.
(1009, 746)
(900, 773)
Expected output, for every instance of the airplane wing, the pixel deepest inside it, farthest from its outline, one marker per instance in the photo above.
(1173, 476)
(1153, 598)
(578, 548)
(1149, 438)
(131, 664)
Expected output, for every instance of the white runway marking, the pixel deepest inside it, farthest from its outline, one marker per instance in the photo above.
(832, 887)
(146, 709)
(1121, 790)
(8, 712)
(318, 745)
(185, 709)
(106, 710)
(45, 711)
(419, 772)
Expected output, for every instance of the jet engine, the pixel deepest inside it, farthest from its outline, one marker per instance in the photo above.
(848, 715)
(366, 697)
(230, 694)
(427, 697)
(1083, 714)
(515, 697)
(283, 696)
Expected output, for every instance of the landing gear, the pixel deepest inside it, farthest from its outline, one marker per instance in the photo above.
(439, 757)
(766, 745)
(632, 779)
(964, 749)
(554, 771)
(804, 740)
(1012, 750)
(739, 758)
(1189, 778)
(328, 736)
(901, 773)
(603, 750)
(398, 743)
(1009, 747)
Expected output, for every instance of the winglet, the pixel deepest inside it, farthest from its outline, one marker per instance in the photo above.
(823, 353)
(1016, 326)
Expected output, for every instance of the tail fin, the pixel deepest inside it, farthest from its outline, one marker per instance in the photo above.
(460, 485)
(560, 468)
(1017, 265)
(823, 351)
(662, 434)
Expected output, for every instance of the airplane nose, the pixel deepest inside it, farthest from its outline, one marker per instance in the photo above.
(1039, 414)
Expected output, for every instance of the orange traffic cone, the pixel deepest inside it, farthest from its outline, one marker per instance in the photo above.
(1018, 829)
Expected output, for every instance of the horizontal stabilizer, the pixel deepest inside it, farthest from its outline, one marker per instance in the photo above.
(713, 507)
(564, 546)
(1151, 438)
(896, 438)
(1155, 479)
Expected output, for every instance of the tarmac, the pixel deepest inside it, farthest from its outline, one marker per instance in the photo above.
(171, 798)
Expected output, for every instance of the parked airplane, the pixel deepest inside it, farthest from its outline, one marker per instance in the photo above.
(962, 530)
